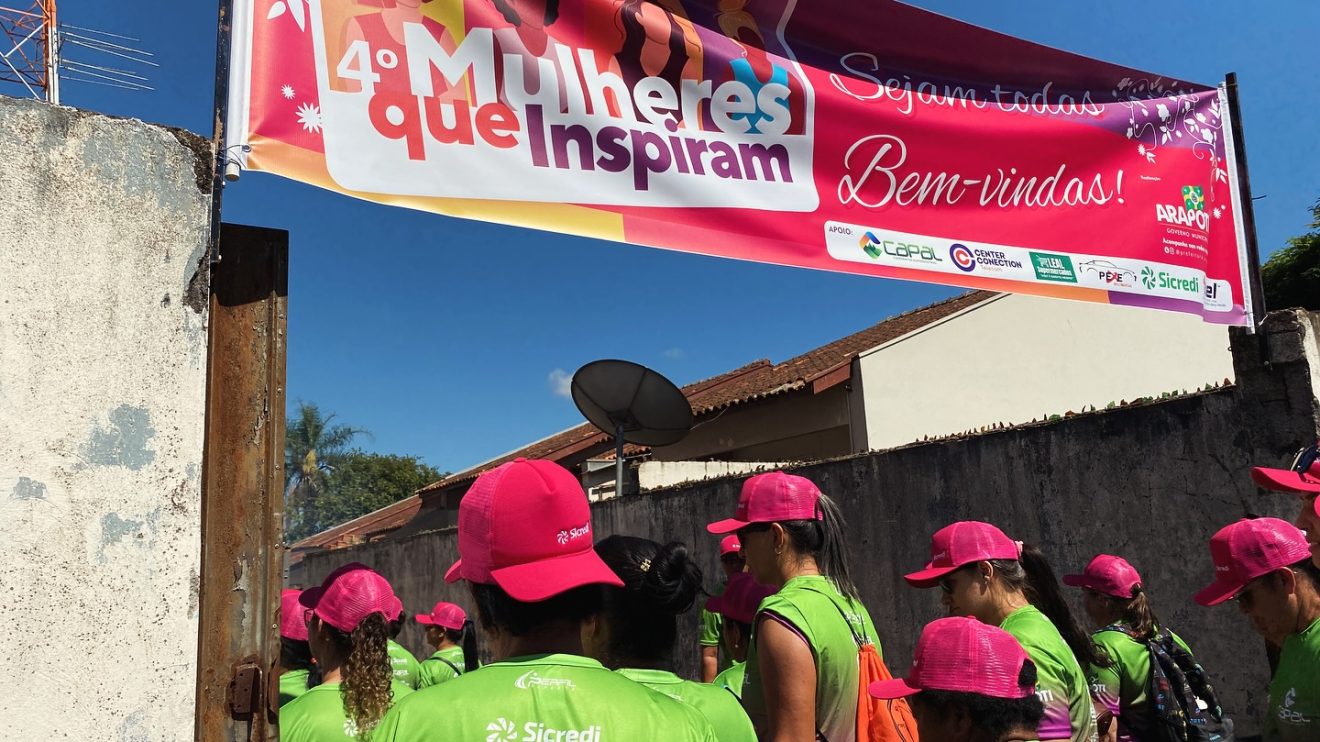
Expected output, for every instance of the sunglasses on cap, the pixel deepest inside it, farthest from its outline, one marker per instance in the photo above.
(1305, 459)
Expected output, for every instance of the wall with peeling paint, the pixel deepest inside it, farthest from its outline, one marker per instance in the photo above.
(103, 301)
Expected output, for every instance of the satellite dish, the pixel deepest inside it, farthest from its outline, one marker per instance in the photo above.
(632, 403)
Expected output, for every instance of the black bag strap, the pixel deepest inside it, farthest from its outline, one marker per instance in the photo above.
(452, 666)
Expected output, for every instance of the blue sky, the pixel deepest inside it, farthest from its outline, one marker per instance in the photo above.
(448, 338)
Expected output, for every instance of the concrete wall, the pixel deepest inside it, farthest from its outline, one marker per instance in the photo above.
(1151, 482)
(103, 312)
(1015, 358)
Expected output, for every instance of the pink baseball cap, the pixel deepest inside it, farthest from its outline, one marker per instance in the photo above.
(962, 543)
(729, 545)
(349, 595)
(396, 610)
(292, 625)
(1248, 549)
(740, 599)
(772, 497)
(526, 527)
(1107, 574)
(964, 655)
(445, 615)
(1303, 477)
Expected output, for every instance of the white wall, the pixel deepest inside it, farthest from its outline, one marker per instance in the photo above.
(103, 223)
(1018, 357)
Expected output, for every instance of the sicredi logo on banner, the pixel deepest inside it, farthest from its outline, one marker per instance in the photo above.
(588, 123)
(1190, 213)
(1153, 279)
(1051, 267)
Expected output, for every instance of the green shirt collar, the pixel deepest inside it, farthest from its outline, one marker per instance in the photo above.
(650, 677)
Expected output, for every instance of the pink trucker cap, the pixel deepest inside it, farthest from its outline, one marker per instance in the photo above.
(1248, 549)
(962, 543)
(1303, 477)
(729, 545)
(1107, 574)
(292, 625)
(526, 527)
(772, 497)
(349, 595)
(740, 599)
(445, 615)
(961, 654)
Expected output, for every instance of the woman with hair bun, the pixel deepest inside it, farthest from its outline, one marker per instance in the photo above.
(637, 629)
(449, 630)
(348, 630)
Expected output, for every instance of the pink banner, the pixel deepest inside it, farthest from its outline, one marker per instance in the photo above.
(871, 138)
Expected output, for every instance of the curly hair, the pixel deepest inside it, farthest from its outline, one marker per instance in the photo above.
(365, 688)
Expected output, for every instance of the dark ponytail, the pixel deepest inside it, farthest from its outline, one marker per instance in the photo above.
(466, 637)
(1033, 576)
(824, 540)
(297, 655)
(659, 584)
(1138, 614)
(366, 673)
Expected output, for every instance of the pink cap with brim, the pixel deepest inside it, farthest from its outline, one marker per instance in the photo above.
(740, 599)
(1107, 574)
(963, 543)
(525, 526)
(729, 545)
(964, 655)
(771, 498)
(396, 610)
(348, 596)
(292, 625)
(445, 615)
(1248, 549)
(1302, 478)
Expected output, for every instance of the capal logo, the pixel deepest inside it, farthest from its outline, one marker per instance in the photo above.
(1151, 279)
(533, 679)
(874, 246)
(563, 537)
(1191, 213)
(503, 730)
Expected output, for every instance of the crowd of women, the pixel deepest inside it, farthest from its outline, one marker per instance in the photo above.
(583, 635)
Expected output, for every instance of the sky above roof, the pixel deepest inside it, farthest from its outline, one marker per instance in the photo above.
(453, 340)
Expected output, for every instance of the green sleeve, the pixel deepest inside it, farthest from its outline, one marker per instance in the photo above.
(711, 623)
(435, 672)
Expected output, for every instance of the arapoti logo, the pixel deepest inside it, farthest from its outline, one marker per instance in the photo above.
(962, 258)
(1190, 213)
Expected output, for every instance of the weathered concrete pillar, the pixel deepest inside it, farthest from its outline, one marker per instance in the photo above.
(1278, 384)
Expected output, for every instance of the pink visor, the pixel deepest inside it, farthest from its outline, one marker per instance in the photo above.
(964, 655)
(1107, 574)
(526, 527)
(963, 543)
(740, 599)
(771, 498)
(445, 615)
(729, 545)
(348, 596)
(1303, 477)
(292, 625)
(1249, 549)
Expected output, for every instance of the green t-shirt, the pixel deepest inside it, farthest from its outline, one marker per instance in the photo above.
(1124, 687)
(292, 684)
(811, 606)
(716, 704)
(318, 715)
(732, 679)
(1060, 682)
(1294, 714)
(446, 664)
(407, 669)
(712, 634)
(541, 698)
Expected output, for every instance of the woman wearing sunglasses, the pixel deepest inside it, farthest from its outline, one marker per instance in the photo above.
(1301, 479)
(802, 665)
(984, 574)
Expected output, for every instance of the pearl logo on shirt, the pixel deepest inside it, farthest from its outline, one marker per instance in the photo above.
(533, 679)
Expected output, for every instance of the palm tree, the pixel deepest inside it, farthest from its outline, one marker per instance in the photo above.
(312, 447)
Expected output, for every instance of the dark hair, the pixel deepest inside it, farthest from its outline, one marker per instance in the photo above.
(511, 15)
(495, 609)
(297, 655)
(994, 717)
(1138, 614)
(1307, 567)
(396, 626)
(465, 637)
(1031, 573)
(824, 540)
(365, 688)
(659, 584)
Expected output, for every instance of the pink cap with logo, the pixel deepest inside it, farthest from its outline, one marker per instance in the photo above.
(740, 599)
(729, 545)
(1248, 549)
(445, 615)
(348, 595)
(770, 498)
(292, 625)
(964, 655)
(526, 526)
(1107, 574)
(962, 543)
(1302, 478)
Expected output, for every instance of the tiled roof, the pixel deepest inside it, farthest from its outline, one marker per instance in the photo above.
(359, 529)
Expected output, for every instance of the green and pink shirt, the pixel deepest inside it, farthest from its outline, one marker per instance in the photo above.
(1061, 684)
(1124, 687)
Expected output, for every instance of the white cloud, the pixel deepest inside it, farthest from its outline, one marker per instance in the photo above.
(560, 382)
(674, 353)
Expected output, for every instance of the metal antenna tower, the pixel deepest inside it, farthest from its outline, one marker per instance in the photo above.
(33, 46)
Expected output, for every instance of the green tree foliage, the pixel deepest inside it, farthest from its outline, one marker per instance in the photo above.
(1291, 276)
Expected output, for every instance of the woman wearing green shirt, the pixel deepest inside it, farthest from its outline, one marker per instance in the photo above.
(802, 665)
(984, 574)
(636, 632)
(737, 607)
(450, 632)
(297, 671)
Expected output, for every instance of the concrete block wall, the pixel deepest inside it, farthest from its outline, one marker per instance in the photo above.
(103, 341)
